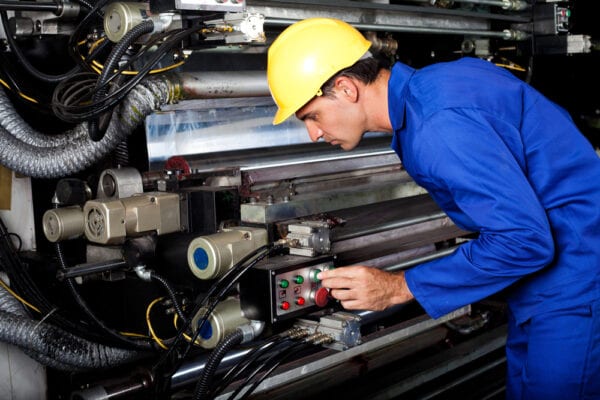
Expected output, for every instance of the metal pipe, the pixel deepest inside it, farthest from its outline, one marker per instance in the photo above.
(30, 6)
(507, 34)
(514, 5)
(505, 4)
(89, 268)
(390, 226)
(225, 84)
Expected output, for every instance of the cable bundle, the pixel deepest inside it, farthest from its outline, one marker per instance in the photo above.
(165, 367)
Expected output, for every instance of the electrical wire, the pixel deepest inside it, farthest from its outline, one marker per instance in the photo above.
(153, 335)
(271, 364)
(84, 107)
(25, 287)
(97, 126)
(168, 287)
(208, 303)
(25, 63)
(16, 296)
(70, 282)
(185, 336)
(214, 360)
(273, 345)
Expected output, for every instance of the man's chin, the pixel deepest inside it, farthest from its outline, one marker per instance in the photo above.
(347, 146)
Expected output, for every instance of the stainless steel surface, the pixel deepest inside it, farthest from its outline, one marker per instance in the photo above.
(321, 165)
(413, 29)
(384, 14)
(315, 203)
(238, 132)
(439, 365)
(411, 328)
(224, 84)
(395, 235)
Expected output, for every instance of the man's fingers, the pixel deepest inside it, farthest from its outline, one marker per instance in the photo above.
(345, 272)
(337, 283)
(342, 294)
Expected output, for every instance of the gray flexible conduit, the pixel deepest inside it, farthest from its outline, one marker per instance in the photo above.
(52, 346)
(31, 153)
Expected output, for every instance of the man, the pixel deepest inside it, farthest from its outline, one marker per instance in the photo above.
(500, 160)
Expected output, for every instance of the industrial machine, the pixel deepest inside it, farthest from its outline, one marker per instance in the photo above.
(161, 239)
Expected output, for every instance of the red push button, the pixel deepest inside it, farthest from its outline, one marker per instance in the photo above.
(285, 305)
(321, 297)
(300, 301)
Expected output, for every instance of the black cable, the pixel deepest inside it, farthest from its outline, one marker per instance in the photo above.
(136, 344)
(236, 275)
(73, 39)
(23, 284)
(249, 359)
(202, 389)
(96, 130)
(83, 108)
(223, 285)
(272, 363)
(169, 288)
(18, 238)
(26, 64)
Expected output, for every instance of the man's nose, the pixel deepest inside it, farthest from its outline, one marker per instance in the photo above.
(314, 132)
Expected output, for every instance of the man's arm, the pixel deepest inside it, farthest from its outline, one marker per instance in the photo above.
(365, 288)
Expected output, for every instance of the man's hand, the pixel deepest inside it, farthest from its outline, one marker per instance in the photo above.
(365, 288)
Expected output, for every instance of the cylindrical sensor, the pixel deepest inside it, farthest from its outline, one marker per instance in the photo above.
(224, 319)
(121, 17)
(211, 256)
(63, 223)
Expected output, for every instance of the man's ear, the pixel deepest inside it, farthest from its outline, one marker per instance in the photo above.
(347, 88)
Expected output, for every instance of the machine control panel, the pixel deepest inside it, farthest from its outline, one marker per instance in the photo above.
(284, 287)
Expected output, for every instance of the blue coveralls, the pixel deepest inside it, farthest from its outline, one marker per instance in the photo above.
(502, 160)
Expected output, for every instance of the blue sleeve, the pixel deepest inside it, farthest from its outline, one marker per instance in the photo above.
(474, 167)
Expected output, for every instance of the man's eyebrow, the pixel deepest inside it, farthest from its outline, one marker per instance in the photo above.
(305, 116)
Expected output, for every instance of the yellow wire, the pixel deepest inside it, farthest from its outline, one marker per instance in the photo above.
(132, 334)
(6, 85)
(154, 71)
(95, 44)
(16, 296)
(512, 66)
(31, 99)
(187, 337)
(152, 334)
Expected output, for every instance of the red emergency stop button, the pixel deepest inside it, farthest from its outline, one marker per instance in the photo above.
(321, 296)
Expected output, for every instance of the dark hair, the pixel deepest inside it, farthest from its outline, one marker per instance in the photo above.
(365, 70)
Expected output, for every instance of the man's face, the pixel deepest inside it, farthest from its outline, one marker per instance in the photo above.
(334, 119)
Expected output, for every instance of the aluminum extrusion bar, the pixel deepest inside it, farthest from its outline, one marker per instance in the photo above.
(315, 203)
(338, 164)
(400, 236)
(505, 34)
(356, 11)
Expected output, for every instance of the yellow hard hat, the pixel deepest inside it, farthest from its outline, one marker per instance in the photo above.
(305, 56)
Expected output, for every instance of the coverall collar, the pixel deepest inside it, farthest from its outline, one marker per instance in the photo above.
(397, 93)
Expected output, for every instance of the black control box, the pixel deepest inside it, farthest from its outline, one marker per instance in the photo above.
(284, 287)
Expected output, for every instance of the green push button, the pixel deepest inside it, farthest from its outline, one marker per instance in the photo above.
(284, 283)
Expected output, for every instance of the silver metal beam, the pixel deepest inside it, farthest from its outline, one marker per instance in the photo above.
(412, 328)
(315, 203)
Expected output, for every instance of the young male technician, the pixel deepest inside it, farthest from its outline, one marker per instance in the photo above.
(500, 160)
